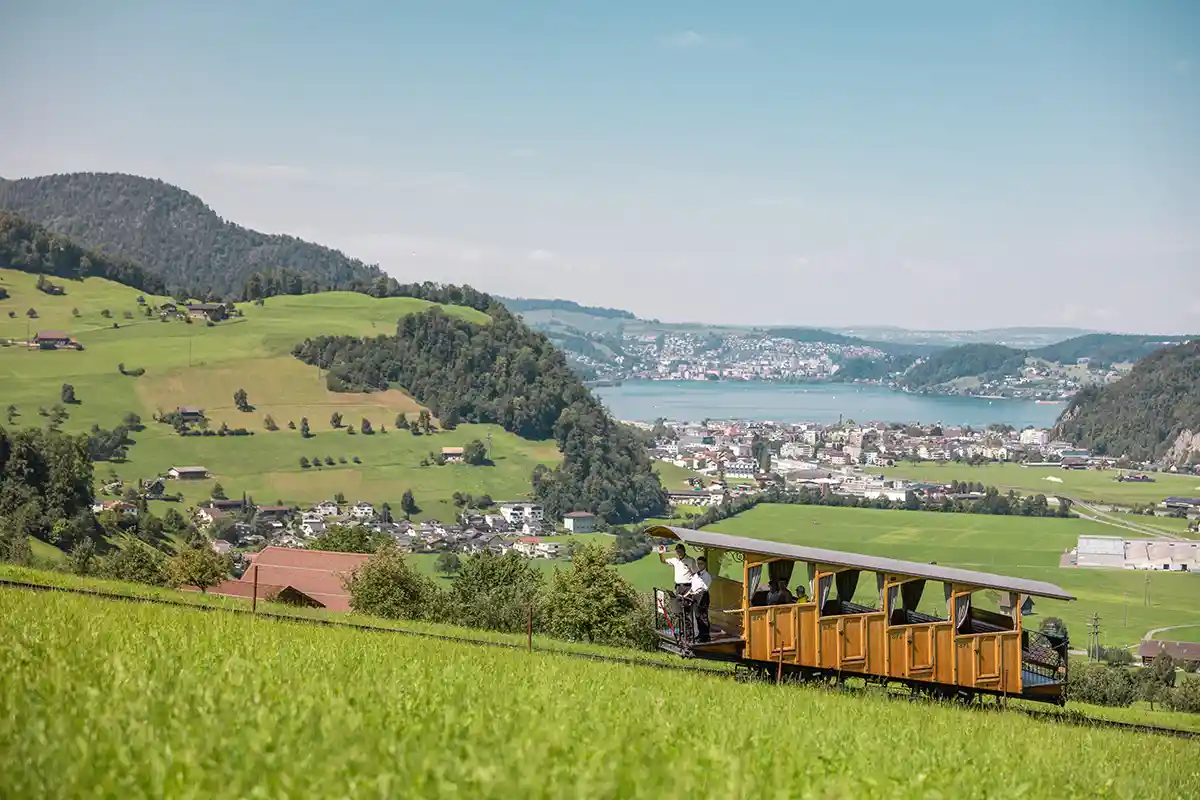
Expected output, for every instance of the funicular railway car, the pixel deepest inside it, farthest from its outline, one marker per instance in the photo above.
(866, 616)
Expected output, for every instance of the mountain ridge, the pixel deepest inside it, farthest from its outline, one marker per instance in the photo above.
(169, 231)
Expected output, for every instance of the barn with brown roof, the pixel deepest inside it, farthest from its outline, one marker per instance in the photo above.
(316, 575)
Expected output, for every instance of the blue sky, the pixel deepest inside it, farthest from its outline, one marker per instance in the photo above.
(925, 164)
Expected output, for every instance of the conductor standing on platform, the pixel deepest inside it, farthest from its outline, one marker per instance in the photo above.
(684, 565)
(697, 597)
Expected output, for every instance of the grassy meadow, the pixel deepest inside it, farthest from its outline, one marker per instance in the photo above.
(193, 364)
(1018, 546)
(1087, 485)
(178, 703)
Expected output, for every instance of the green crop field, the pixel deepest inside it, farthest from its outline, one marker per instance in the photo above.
(193, 364)
(154, 701)
(1087, 485)
(1018, 546)
(1184, 633)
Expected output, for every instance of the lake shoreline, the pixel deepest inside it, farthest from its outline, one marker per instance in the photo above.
(823, 403)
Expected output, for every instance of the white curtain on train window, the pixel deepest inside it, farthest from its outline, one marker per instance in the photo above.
(753, 579)
(826, 584)
(962, 609)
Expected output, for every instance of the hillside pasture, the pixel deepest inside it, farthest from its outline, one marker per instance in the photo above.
(202, 365)
(390, 716)
(1088, 485)
(1016, 546)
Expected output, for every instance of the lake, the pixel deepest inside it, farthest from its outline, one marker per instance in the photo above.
(815, 402)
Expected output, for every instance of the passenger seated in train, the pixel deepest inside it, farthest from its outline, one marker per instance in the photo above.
(779, 594)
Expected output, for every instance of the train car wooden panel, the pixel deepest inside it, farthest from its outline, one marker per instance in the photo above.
(880, 618)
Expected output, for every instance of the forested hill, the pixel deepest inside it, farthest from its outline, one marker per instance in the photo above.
(507, 374)
(1107, 348)
(987, 361)
(169, 232)
(520, 305)
(1151, 413)
(28, 247)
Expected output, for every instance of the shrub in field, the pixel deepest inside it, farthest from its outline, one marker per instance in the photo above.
(592, 602)
(495, 592)
(1102, 685)
(201, 567)
(1185, 696)
(136, 562)
(386, 586)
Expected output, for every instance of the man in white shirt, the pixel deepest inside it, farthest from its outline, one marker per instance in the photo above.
(698, 597)
(684, 566)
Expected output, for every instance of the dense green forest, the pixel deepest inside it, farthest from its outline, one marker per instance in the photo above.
(169, 231)
(861, 368)
(519, 305)
(506, 374)
(1107, 348)
(29, 247)
(45, 488)
(988, 361)
(1141, 415)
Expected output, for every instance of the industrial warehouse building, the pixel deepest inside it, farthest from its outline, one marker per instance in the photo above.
(1150, 554)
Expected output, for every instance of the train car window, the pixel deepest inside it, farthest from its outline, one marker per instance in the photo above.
(906, 607)
(849, 595)
(983, 612)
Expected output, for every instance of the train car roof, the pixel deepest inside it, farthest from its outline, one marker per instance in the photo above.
(724, 541)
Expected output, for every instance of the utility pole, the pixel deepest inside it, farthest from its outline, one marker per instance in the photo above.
(1126, 623)
(1093, 627)
(1146, 593)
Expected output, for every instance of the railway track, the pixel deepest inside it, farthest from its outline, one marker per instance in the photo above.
(1059, 717)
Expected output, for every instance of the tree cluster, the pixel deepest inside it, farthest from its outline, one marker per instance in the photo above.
(45, 486)
(28, 247)
(987, 361)
(1141, 415)
(506, 374)
(589, 601)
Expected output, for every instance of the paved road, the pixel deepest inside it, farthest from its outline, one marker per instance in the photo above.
(1150, 634)
(1093, 513)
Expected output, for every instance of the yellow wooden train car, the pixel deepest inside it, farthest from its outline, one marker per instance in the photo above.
(963, 641)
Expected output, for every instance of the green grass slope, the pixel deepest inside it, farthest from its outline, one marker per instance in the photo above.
(182, 703)
(199, 365)
(1017, 546)
(1086, 485)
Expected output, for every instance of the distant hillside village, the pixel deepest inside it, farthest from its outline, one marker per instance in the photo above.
(518, 526)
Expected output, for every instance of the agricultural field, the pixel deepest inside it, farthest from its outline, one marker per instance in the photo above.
(194, 364)
(1018, 546)
(397, 716)
(1087, 485)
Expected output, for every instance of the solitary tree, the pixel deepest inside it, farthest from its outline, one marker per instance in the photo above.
(401, 421)
(11, 413)
(31, 313)
(408, 504)
(74, 312)
(269, 423)
(201, 567)
(68, 393)
(335, 419)
(304, 462)
(104, 312)
(475, 453)
(242, 400)
(218, 492)
(366, 426)
(448, 563)
(304, 427)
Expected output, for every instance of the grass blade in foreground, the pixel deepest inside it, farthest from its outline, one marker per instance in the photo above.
(115, 700)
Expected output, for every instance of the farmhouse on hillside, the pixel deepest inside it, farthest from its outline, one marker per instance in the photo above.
(579, 522)
(318, 575)
(452, 455)
(190, 413)
(209, 311)
(188, 473)
(52, 340)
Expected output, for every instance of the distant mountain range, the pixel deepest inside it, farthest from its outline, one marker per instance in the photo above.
(596, 336)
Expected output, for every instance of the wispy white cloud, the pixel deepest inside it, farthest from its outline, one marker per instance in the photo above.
(693, 40)
(540, 255)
